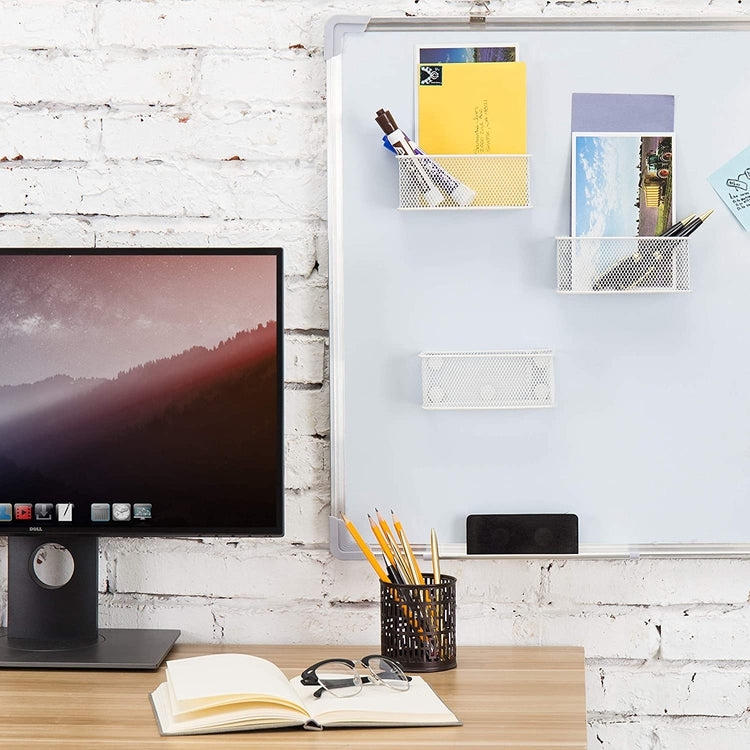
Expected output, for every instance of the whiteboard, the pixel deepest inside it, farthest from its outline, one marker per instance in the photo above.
(649, 441)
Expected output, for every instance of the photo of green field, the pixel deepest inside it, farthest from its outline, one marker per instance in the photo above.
(655, 186)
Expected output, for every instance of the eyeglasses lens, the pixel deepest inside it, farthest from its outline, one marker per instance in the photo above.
(389, 673)
(339, 679)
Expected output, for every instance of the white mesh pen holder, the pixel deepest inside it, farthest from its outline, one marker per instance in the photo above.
(523, 379)
(469, 181)
(623, 264)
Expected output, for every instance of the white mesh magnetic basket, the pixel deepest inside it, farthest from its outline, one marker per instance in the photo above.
(623, 264)
(521, 379)
(468, 181)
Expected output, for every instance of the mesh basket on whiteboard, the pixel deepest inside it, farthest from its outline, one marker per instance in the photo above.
(623, 264)
(467, 181)
(520, 379)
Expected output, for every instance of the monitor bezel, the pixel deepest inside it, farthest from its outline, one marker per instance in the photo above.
(183, 531)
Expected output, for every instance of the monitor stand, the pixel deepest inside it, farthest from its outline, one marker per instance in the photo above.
(53, 607)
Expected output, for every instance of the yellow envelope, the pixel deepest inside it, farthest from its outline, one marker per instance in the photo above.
(477, 108)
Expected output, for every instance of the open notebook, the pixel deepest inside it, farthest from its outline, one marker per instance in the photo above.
(238, 692)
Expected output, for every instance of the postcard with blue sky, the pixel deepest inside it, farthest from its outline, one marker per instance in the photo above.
(622, 184)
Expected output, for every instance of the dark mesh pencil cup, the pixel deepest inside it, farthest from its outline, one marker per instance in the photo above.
(418, 624)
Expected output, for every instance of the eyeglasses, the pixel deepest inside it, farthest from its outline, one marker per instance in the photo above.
(340, 677)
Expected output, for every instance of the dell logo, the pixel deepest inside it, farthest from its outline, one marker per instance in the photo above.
(35, 528)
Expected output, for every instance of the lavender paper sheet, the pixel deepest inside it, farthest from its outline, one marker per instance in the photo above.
(623, 113)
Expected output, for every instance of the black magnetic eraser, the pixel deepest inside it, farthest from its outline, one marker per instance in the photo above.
(522, 534)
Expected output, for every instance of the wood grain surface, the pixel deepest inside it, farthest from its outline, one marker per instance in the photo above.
(514, 697)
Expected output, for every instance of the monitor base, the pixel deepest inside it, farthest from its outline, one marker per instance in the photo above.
(115, 649)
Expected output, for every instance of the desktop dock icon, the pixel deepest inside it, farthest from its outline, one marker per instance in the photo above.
(142, 511)
(23, 511)
(43, 511)
(6, 512)
(100, 512)
(121, 512)
(64, 512)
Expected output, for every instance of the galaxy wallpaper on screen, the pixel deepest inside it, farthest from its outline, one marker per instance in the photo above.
(141, 379)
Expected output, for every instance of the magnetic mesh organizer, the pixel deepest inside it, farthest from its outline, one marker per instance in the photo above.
(469, 181)
(488, 380)
(623, 264)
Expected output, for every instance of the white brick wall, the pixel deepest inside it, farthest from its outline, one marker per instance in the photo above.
(95, 77)
(126, 123)
(36, 24)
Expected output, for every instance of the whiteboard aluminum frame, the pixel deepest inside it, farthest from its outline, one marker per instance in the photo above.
(341, 544)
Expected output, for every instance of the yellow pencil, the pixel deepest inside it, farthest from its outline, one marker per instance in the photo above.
(418, 577)
(365, 549)
(381, 541)
(401, 562)
(389, 556)
(409, 552)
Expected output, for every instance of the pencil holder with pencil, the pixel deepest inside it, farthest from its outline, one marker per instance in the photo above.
(418, 624)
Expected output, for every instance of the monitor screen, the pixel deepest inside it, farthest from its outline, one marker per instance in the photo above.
(141, 392)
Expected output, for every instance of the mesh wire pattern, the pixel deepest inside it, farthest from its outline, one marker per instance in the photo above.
(623, 264)
(418, 624)
(518, 379)
(468, 181)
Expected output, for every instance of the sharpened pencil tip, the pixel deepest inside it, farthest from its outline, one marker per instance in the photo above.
(703, 217)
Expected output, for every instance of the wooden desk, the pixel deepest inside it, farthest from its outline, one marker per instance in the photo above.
(530, 698)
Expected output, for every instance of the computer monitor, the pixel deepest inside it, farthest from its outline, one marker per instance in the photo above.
(141, 394)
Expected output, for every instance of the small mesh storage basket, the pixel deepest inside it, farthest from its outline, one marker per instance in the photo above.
(467, 181)
(622, 264)
(418, 624)
(517, 379)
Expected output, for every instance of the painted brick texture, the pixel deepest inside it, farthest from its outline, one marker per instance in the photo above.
(167, 123)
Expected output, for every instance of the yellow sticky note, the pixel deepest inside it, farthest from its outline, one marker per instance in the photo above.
(474, 108)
